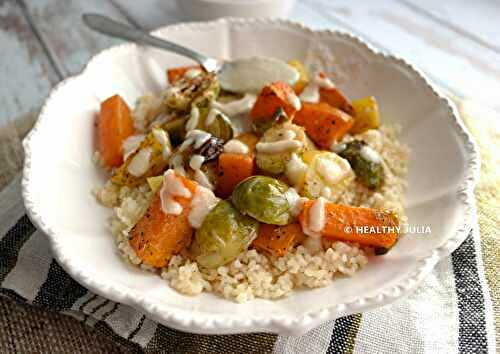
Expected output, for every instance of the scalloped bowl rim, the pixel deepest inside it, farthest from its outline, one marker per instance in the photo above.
(184, 320)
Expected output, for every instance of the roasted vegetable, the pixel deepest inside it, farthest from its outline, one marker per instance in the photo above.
(219, 124)
(261, 126)
(303, 78)
(366, 115)
(157, 236)
(150, 159)
(211, 149)
(272, 97)
(114, 125)
(232, 169)
(324, 124)
(175, 74)
(368, 227)
(275, 162)
(265, 199)
(223, 235)
(335, 98)
(365, 162)
(199, 90)
(327, 175)
(155, 183)
(278, 240)
(176, 130)
(250, 140)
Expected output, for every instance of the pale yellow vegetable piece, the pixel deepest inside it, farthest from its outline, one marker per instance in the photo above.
(155, 183)
(303, 77)
(149, 159)
(366, 115)
(328, 175)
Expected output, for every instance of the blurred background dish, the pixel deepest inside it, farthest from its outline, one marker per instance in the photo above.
(213, 9)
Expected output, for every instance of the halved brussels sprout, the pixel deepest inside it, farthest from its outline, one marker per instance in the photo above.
(279, 117)
(223, 235)
(265, 199)
(198, 90)
(275, 163)
(220, 127)
(365, 162)
(149, 159)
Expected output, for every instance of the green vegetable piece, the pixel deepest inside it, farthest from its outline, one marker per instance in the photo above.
(263, 198)
(279, 117)
(224, 234)
(198, 90)
(364, 161)
(176, 130)
(221, 127)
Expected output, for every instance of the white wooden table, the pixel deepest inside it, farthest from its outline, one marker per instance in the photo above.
(456, 42)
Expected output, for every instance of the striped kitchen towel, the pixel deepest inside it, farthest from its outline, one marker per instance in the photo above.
(451, 312)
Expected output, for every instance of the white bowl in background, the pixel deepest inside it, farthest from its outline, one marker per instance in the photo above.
(213, 9)
(59, 176)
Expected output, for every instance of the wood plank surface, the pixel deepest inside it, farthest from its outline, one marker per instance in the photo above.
(26, 74)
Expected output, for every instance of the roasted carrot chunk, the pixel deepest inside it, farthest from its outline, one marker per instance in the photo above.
(272, 97)
(175, 74)
(368, 227)
(114, 125)
(158, 236)
(232, 169)
(278, 240)
(324, 124)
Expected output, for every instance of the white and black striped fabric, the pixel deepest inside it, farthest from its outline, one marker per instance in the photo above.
(450, 313)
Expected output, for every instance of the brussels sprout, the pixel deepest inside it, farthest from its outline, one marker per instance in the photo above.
(365, 162)
(265, 199)
(275, 163)
(175, 129)
(221, 126)
(280, 116)
(198, 90)
(223, 235)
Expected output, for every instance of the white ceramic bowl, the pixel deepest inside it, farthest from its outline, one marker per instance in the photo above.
(213, 9)
(59, 176)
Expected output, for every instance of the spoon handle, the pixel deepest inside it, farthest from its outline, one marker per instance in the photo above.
(113, 28)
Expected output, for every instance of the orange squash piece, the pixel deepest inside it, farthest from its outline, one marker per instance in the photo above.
(323, 123)
(272, 97)
(335, 98)
(114, 125)
(366, 226)
(158, 236)
(278, 240)
(174, 74)
(232, 169)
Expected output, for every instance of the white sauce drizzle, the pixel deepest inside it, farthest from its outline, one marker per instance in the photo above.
(192, 73)
(202, 179)
(311, 92)
(131, 144)
(196, 138)
(161, 136)
(172, 187)
(203, 201)
(289, 135)
(370, 154)
(326, 192)
(140, 162)
(194, 118)
(332, 172)
(317, 216)
(276, 147)
(294, 100)
(235, 146)
(295, 169)
(196, 161)
(212, 114)
(238, 107)
(295, 200)
(177, 163)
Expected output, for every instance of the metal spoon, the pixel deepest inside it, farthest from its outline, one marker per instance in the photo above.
(243, 75)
